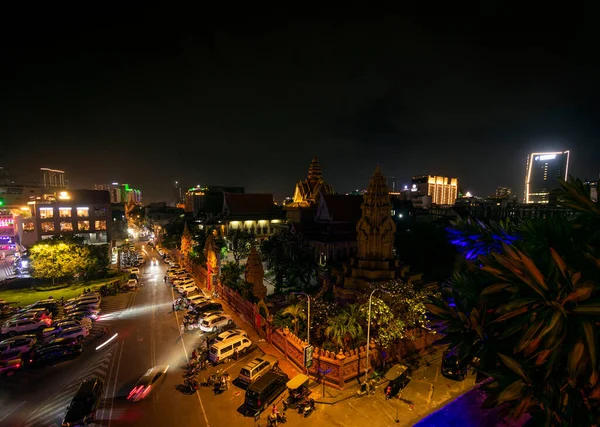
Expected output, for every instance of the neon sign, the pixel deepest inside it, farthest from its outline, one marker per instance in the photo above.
(6, 223)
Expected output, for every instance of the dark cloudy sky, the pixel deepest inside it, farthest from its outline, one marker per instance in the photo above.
(150, 96)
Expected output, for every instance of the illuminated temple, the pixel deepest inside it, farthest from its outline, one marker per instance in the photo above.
(375, 260)
(307, 194)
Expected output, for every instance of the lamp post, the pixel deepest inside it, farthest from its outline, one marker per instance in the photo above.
(369, 334)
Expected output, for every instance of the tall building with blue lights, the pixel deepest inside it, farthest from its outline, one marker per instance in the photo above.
(543, 173)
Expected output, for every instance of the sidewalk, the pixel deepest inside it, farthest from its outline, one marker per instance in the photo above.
(334, 395)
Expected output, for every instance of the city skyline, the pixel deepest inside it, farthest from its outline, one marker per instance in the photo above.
(250, 102)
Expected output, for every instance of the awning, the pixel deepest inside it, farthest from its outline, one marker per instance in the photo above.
(395, 372)
(297, 381)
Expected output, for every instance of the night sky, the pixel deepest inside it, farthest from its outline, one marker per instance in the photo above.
(155, 96)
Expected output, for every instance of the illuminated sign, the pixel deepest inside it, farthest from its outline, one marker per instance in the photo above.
(414, 187)
(6, 223)
(548, 157)
(6, 240)
(63, 195)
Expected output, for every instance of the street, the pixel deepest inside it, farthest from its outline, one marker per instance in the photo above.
(149, 335)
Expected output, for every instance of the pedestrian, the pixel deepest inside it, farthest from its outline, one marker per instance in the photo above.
(173, 305)
(235, 354)
(227, 381)
(194, 355)
(165, 278)
(388, 392)
(182, 328)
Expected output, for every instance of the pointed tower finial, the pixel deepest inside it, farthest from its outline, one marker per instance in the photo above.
(314, 170)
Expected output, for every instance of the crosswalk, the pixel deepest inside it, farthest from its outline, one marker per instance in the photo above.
(51, 412)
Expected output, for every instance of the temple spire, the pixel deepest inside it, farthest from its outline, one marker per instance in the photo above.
(255, 273)
(315, 173)
(376, 229)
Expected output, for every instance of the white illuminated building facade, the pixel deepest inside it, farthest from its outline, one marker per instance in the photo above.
(542, 175)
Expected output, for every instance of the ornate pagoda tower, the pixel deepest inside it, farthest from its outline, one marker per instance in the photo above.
(255, 273)
(376, 231)
(307, 194)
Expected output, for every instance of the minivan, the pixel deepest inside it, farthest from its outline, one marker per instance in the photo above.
(222, 351)
(257, 368)
(264, 391)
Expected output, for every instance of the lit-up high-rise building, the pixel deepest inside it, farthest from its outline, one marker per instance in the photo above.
(543, 173)
(443, 190)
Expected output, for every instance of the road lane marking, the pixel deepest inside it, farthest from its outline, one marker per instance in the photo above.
(112, 402)
(13, 410)
(188, 358)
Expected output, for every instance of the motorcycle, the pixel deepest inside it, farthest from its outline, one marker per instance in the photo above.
(308, 408)
(275, 418)
(214, 378)
(191, 384)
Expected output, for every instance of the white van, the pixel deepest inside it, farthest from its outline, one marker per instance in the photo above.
(222, 351)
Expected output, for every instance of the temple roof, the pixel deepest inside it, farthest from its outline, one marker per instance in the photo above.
(339, 208)
(247, 204)
(308, 191)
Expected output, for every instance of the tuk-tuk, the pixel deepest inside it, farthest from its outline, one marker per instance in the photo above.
(397, 377)
(298, 391)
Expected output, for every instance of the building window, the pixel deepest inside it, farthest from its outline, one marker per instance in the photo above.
(66, 226)
(83, 212)
(46, 213)
(99, 211)
(28, 227)
(100, 225)
(47, 227)
(64, 212)
(83, 225)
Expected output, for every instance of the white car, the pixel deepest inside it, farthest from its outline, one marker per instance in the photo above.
(230, 334)
(93, 303)
(135, 270)
(197, 299)
(132, 283)
(77, 332)
(14, 327)
(214, 322)
(187, 288)
(20, 343)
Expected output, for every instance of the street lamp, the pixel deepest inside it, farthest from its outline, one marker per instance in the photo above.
(369, 334)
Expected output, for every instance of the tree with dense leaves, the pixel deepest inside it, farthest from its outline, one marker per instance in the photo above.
(527, 308)
(290, 259)
(346, 329)
(66, 258)
(298, 313)
(240, 243)
(397, 308)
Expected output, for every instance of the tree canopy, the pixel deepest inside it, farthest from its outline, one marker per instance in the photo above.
(240, 241)
(290, 259)
(525, 307)
(67, 258)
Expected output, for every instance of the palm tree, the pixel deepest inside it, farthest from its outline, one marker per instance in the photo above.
(529, 311)
(297, 313)
(345, 327)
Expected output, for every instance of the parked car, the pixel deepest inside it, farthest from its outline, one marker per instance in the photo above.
(132, 283)
(223, 336)
(76, 332)
(196, 299)
(14, 327)
(187, 288)
(135, 270)
(9, 366)
(20, 343)
(82, 314)
(55, 353)
(147, 382)
(453, 367)
(82, 409)
(264, 391)
(257, 367)
(214, 322)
